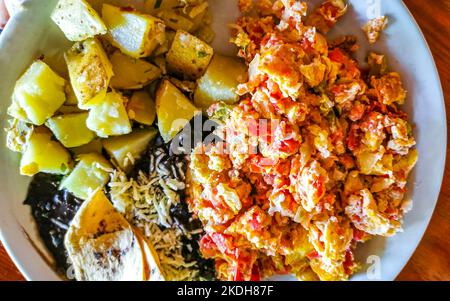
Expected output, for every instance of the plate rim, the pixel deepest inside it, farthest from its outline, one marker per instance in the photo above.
(31, 274)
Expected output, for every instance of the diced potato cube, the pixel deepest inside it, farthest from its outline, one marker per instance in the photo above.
(198, 14)
(109, 118)
(174, 110)
(78, 20)
(220, 81)
(137, 4)
(38, 94)
(95, 146)
(71, 129)
(176, 21)
(154, 6)
(91, 173)
(206, 34)
(131, 73)
(192, 11)
(126, 150)
(164, 47)
(43, 154)
(142, 108)
(90, 72)
(134, 33)
(189, 56)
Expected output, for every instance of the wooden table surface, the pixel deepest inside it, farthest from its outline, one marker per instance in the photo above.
(431, 261)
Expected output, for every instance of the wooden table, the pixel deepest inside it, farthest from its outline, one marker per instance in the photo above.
(431, 261)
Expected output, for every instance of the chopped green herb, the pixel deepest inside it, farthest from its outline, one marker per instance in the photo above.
(158, 4)
(201, 54)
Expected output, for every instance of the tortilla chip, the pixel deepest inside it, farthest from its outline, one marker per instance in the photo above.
(153, 270)
(102, 245)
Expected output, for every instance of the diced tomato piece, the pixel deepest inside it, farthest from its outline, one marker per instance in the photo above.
(358, 235)
(319, 186)
(357, 112)
(349, 262)
(313, 255)
(353, 140)
(255, 273)
(238, 274)
(338, 56)
(255, 222)
(208, 247)
(224, 243)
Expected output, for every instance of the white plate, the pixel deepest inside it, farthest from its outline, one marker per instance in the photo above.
(31, 33)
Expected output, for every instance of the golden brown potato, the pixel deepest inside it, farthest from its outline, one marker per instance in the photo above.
(164, 47)
(91, 173)
(90, 72)
(78, 20)
(206, 34)
(173, 109)
(220, 81)
(38, 94)
(142, 108)
(131, 73)
(134, 33)
(43, 154)
(176, 21)
(126, 150)
(71, 129)
(109, 117)
(189, 56)
(95, 146)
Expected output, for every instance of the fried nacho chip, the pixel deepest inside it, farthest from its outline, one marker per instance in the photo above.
(102, 245)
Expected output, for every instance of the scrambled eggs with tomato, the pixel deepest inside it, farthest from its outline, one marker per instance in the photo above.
(315, 157)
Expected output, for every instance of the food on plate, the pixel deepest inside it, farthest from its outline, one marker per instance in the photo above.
(175, 21)
(134, 33)
(142, 108)
(71, 98)
(66, 110)
(71, 129)
(302, 154)
(126, 150)
(374, 27)
(42, 154)
(188, 56)
(17, 135)
(189, 17)
(206, 34)
(174, 110)
(78, 20)
(95, 146)
(313, 159)
(95, 134)
(102, 245)
(53, 210)
(109, 117)
(153, 200)
(90, 173)
(220, 81)
(37, 95)
(90, 71)
(152, 265)
(323, 18)
(131, 73)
